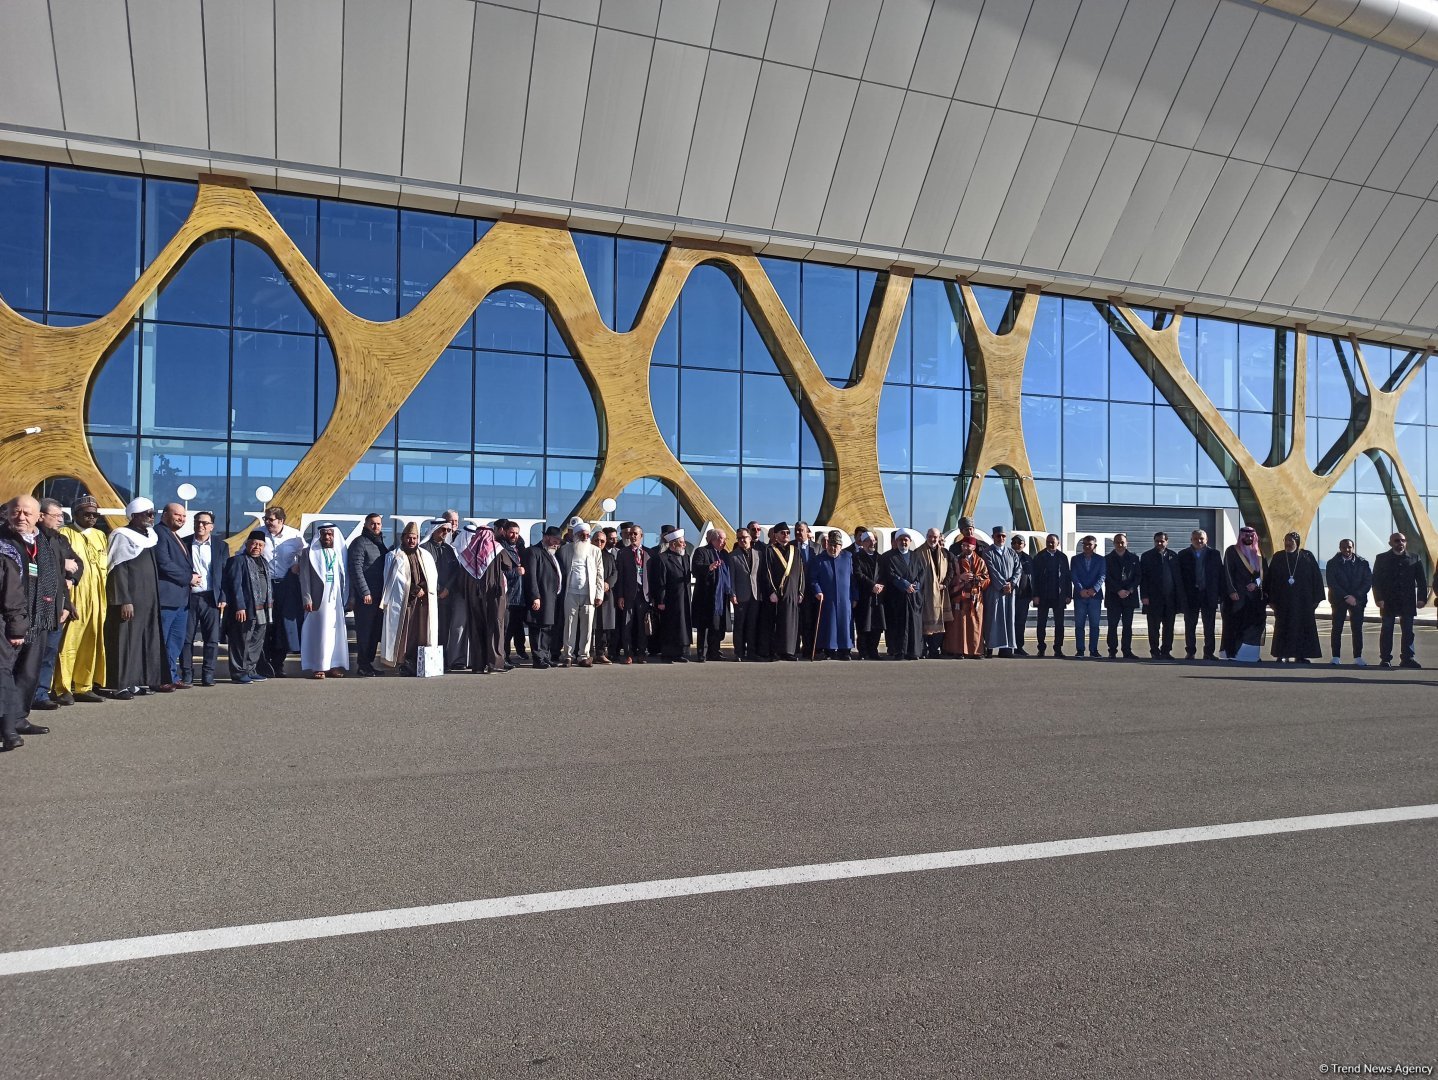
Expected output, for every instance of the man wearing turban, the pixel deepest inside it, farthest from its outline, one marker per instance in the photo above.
(134, 645)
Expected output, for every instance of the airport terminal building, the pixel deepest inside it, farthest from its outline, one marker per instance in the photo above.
(1060, 264)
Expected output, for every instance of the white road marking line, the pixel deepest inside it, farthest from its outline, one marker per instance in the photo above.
(235, 937)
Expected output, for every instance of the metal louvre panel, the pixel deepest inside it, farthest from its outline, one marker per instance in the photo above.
(1139, 523)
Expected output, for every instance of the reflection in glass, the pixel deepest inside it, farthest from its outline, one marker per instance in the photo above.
(721, 484)
(22, 234)
(273, 386)
(940, 426)
(94, 242)
(571, 424)
(430, 246)
(933, 496)
(771, 422)
(596, 255)
(1085, 440)
(894, 428)
(768, 495)
(896, 494)
(165, 464)
(199, 290)
(254, 465)
(1043, 366)
(1131, 443)
(264, 297)
(359, 257)
(1175, 450)
(430, 482)
(650, 505)
(830, 318)
(938, 346)
(508, 485)
(709, 416)
(636, 262)
(509, 402)
(510, 320)
(437, 414)
(1086, 346)
(709, 320)
(567, 481)
(1043, 435)
(113, 403)
(1218, 361)
(117, 461)
(369, 488)
(183, 373)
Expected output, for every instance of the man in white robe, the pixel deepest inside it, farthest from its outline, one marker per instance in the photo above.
(324, 590)
(409, 602)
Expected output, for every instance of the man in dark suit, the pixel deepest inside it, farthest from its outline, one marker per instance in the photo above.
(543, 591)
(1024, 594)
(366, 576)
(249, 596)
(1159, 590)
(632, 596)
(1200, 576)
(746, 572)
(1053, 589)
(1121, 570)
(208, 556)
(1400, 586)
(177, 578)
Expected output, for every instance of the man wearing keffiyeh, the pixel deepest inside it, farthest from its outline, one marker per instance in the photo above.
(486, 597)
(1245, 615)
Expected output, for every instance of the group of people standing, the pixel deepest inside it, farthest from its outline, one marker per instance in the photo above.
(90, 616)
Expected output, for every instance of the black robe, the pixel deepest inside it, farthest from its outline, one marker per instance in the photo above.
(134, 649)
(705, 611)
(868, 606)
(1244, 619)
(789, 586)
(670, 587)
(904, 617)
(1295, 628)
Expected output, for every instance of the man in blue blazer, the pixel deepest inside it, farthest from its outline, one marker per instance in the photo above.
(208, 599)
(177, 577)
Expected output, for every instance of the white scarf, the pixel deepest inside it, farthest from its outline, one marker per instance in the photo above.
(127, 543)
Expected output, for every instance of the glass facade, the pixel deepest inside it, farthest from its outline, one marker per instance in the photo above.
(225, 379)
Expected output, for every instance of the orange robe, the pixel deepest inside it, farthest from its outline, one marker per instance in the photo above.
(965, 635)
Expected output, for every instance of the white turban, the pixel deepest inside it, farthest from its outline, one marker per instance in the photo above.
(138, 506)
(578, 525)
(676, 534)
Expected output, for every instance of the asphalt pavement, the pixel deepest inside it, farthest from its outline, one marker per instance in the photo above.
(1266, 956)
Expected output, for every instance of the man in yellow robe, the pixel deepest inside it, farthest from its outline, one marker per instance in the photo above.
(82, 651)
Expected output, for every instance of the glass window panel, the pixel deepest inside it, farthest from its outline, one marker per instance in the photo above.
(1086, 341)
(571, 424)
(1366, 480)
(117, 461)
(255, 465)
(184, 373)
(784, 276)
(932, 498)
(940, 426)
(770, 423)
(756, 354)
(596, 255)
(264, 297)
(199, 291)
(437, 414)
(325, 392)
(509, 403)
(430, 482)
(1174, 496)
(993, 305)
(1188, 343)
(1257, 368)
(273, 386)
(938, 345)
(94, 239)
(709, 320)
(664, 399)
(897, 495)
(22, 234)
(369, 488)
(768, 495)
(1325, 437)
(1374, 525)
(901, 367)
(1337, 520)
(1043, 434)
(1256, 431)
(430, 246)
(721, 484)
(812, 483)
(636, 262)
(1131, 443)
(508, 485)
(1175, 459)
(894, 427)
(165, 464)
(993, 507)
(114, 401)
(1043, 365)
(1126, 380)
(1412, 406)
(359, 257)
(1085, 493)
(1085, 440)
(1216, 497)
(830, 319)
(567, 481)
(709, 416)
(1330, 367)
(1218, 361)
(510, 320)
(811, 454)
(1413, 447)
(1051, 501)
(650, 505)
(1433, 462)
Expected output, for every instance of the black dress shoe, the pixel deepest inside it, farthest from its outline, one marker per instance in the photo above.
(44, 705)
(32, 729)
(12, 744)
(366, 672)
(89, 697)
(1409, 663)
(66, 698)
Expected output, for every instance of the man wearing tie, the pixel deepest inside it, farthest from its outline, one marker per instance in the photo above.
(208, 555)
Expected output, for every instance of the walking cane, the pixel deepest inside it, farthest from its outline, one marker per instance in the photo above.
(818, 618)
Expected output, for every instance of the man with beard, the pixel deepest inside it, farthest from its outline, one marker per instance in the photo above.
(938, 608)
(543, 594)
(324, 637)
(746, 578)
(177, 578)
(1024, 594)
(582, 565)
(406, 603)
(45, 600)
(1244, 572)
(1159, 586)
(1053, 589)
(447, 581)
(808, 608)
(867, 590)
(1400, 587)
(134, 648)
(284, 547)
(1121, 574)
(208, 555)
(1295, 587)
(714, 596)
(671, 595)
(634, 595)
(248, 590)
(1349, 581)
(999, 599)
(1200, 572)
(485, 595)
(903, 571)
(508, 534)
(1086, 571)
(785, 585)
(831, 576)
(366, 573)
(605, 622)
(80, 665)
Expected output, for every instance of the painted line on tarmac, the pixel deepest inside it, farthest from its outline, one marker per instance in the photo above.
(367, 922)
